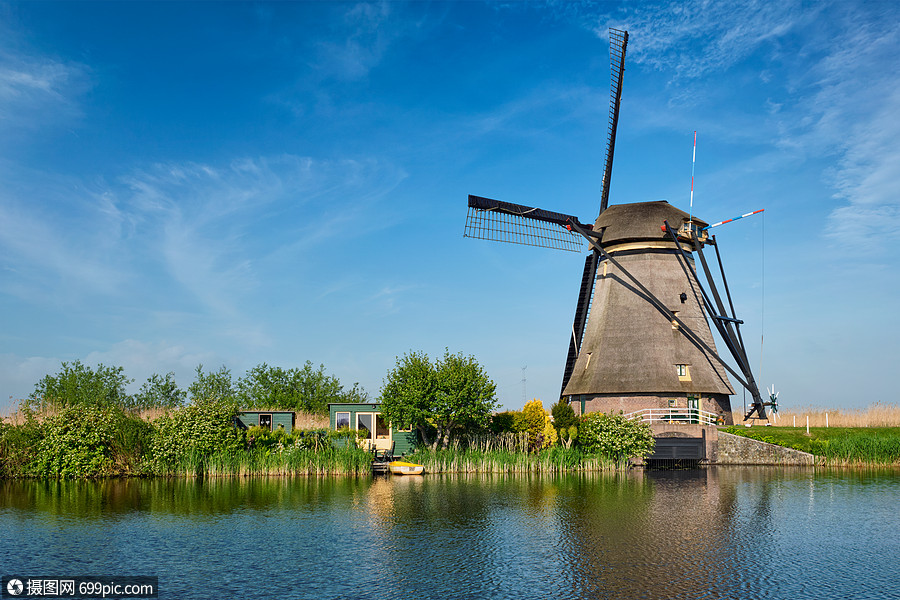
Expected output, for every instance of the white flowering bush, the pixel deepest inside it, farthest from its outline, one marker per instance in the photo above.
(615, 437)
(198, 430)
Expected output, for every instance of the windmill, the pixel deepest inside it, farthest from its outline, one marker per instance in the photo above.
(641, 336)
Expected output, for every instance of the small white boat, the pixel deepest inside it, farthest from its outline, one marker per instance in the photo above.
(404, 468)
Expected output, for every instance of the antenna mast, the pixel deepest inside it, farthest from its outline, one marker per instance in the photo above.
(524, 396)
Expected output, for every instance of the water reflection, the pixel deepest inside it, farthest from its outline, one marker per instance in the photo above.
(716, 533)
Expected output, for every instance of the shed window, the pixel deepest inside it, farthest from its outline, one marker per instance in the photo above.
(382, 430)
(341, 419)
(265, 421)
(364, 423)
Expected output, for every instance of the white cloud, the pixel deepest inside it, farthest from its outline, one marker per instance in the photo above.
(834, 94)
(693, 39)
(36, 90)
(213, 225)
(19, 375)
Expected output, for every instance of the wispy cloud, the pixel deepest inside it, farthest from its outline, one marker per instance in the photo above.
(215, 225)
(833, 98)
(206, 227)
(692, 39)
(36, 91)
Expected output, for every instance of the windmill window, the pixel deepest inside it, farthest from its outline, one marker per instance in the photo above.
(588, 361)
(674, 322)
(684, 372)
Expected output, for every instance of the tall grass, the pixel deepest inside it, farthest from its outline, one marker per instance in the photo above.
(860, 449)
(507, 453)
(286, 462)
(875, 415)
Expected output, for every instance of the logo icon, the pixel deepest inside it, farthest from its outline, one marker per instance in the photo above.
(15, 587)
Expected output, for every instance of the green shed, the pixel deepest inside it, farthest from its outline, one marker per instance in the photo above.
(367, 416)
(268, 419)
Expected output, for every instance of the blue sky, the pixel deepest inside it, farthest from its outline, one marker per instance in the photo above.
(231, 184)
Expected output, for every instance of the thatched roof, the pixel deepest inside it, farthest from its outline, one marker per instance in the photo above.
(640, 221)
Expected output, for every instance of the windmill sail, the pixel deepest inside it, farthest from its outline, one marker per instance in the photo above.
(517, 224)
(581, 313)
(618, 41)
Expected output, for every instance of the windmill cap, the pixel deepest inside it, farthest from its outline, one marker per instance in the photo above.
(641, 221)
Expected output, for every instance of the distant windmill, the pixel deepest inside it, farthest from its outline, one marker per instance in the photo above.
(641, 337)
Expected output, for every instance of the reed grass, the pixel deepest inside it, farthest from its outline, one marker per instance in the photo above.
(877, 414)
(286, 462)
(507, 453)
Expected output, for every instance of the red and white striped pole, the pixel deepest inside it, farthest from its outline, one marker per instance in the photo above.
(734, 219)
(693, 163)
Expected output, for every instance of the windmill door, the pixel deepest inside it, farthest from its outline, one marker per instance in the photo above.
(693, 403)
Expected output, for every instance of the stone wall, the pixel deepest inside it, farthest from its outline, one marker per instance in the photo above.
(738, 450)
(708, 433)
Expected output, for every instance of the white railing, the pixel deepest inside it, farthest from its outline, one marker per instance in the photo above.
(685, 416)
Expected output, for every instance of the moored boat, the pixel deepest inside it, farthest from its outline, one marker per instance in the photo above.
(404, 468)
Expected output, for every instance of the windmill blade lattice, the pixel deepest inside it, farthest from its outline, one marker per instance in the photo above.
(618, 42)
(506, 222)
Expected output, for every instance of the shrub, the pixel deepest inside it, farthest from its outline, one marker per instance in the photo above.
(88, 441)
(615, 437)
(537, 424)
(18, 446)
(564, 416)
(198, 430)
(503, 422)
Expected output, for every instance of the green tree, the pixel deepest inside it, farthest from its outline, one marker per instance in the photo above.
(615, 437)
(465, 396)
(307, 389)
(564, 417)
(408, 393)
(79, 385)
(565, 422)
(159, 392)
(453, 393)
(215, 385)
(318, 388)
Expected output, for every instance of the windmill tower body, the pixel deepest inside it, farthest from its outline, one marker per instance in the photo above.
(632, 356)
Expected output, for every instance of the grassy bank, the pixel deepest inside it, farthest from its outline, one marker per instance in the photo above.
(837, 445)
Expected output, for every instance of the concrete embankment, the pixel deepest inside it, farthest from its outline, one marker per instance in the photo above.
(738, 450)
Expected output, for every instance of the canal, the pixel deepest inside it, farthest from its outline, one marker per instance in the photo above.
(721, 532)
